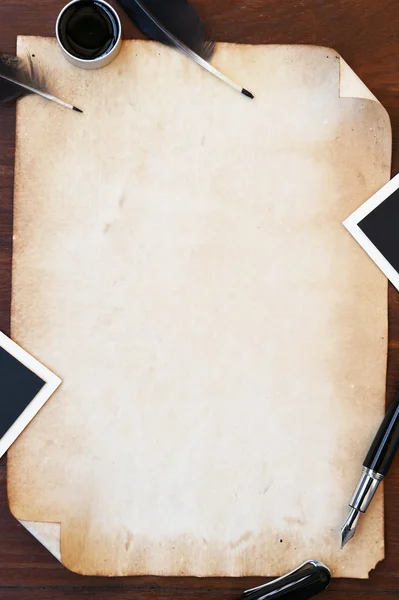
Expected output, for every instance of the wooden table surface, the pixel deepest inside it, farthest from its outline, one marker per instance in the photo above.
(366, 34)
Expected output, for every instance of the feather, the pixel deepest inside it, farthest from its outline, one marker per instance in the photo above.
(176, 23)
(19, 78)
(178, 17)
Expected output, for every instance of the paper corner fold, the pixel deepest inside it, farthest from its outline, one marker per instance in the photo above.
(350, 84)
(48, 534)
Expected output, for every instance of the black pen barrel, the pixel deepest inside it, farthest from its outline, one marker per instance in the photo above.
(383, 449)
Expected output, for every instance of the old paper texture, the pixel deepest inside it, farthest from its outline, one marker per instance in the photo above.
(180, 262)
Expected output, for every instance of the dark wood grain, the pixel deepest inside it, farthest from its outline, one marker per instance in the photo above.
(366, 34)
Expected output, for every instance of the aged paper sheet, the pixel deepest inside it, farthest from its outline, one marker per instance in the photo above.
(180, 262)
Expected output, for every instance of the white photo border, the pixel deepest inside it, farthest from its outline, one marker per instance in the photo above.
(352, 225)
(51, 384)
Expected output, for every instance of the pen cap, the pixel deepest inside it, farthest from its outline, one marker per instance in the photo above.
(306, 581)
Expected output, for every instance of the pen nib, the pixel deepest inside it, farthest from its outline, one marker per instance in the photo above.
(349, 528)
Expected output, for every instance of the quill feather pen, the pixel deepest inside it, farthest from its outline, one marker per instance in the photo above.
(177, 23)
(19, 78)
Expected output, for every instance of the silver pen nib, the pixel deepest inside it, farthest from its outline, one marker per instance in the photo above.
(365, 490)
(349, 528)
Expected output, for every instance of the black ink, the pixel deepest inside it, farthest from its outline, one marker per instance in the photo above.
(88, 30)
(247, 93)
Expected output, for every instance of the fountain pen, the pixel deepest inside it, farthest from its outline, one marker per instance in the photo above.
(375, 466)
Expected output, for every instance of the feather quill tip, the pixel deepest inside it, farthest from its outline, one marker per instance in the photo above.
(247, 93)
(77, 109)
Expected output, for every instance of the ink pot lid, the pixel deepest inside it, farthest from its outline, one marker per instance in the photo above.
(89, 33)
